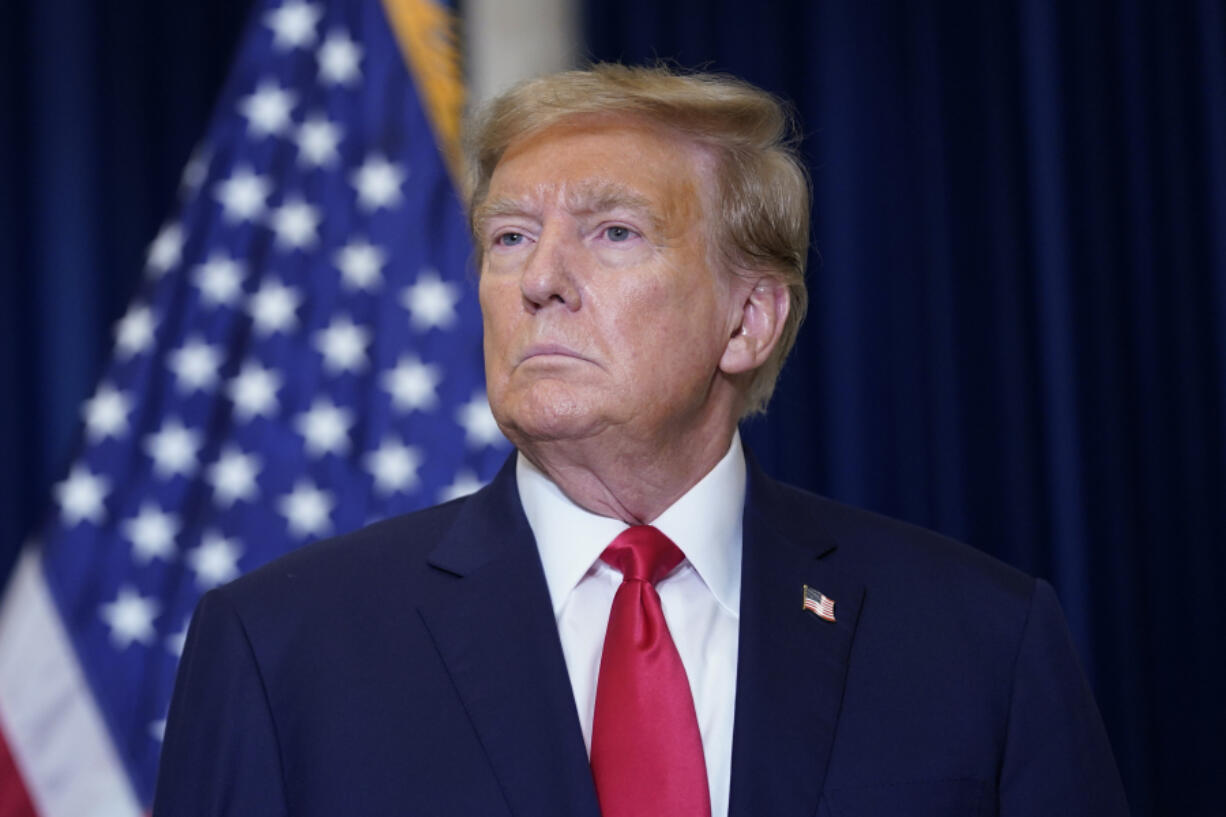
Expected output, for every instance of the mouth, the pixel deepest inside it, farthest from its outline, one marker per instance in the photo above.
(547, 350)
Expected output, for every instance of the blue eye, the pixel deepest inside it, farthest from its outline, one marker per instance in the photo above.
(618, 233)
(509, 239)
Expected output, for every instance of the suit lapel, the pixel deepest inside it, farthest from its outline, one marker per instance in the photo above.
(792, 665)
(495, 630)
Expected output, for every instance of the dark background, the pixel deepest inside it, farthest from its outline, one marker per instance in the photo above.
(1018, 323)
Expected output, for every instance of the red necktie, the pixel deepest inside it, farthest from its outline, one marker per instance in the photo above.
(646, 749)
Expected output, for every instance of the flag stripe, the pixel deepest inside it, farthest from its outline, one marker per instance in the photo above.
(14, 800)
(50, 720)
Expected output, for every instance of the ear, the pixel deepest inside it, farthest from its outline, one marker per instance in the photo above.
(763, 311)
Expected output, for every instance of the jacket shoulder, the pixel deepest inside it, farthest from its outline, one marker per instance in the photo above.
(886, 550)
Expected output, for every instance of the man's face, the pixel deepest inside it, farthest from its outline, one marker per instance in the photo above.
(601, 306)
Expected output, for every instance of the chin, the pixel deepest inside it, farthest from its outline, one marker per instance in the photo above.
(544, 414)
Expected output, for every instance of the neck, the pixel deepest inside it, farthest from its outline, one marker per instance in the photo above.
(634, 480)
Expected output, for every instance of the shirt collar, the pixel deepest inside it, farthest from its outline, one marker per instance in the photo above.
(705, 523)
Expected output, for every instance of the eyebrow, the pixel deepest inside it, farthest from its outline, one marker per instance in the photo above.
(585, 198)
(497, 208)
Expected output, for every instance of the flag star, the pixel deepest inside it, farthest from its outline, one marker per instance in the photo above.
(317, 140)
(134, 332)
(254, 391)
(233, 476)
(268, 109)
(307, 509)
(80, 496)
(293, 24)
(340, 59)
(412, 384)
(361, 265)
(465, 483)
(480, 428)
(194, 173)
(274, 307)
(325, 428)
(173, 449)
(152, 533)
(295, 223)
(394, 466)
(166, 250)
(431, 301)
(175, 642)
(243, 196)
(195, 365)
(130, 617)
(343, 345)
(378, 182)
(220, 280)
(106, 413)
(214, 560)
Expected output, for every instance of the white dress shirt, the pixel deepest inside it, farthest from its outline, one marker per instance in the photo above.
(701, 598)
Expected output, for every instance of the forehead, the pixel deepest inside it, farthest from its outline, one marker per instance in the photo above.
(598, 163)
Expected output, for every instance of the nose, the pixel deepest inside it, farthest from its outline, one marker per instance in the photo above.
(548, 277)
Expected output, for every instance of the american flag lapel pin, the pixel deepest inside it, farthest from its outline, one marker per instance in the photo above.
(818, 604)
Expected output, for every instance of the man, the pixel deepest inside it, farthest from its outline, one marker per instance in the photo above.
(632, 618)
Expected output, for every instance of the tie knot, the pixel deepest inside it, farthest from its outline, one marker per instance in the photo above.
(643, 554)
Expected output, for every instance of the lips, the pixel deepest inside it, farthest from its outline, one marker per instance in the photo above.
(550, 349)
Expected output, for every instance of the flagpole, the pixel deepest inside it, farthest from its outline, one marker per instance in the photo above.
(507, 42)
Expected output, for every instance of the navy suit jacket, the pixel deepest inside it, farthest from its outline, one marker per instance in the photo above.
(414, 668)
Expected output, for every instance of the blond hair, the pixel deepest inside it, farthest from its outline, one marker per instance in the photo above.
(762, 185)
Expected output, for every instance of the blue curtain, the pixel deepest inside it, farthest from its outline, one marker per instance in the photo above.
(1018, 329)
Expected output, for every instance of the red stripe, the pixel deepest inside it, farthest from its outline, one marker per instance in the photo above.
(14, 800)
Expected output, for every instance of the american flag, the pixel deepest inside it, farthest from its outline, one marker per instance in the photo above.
(819, 604)
(304, 357)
